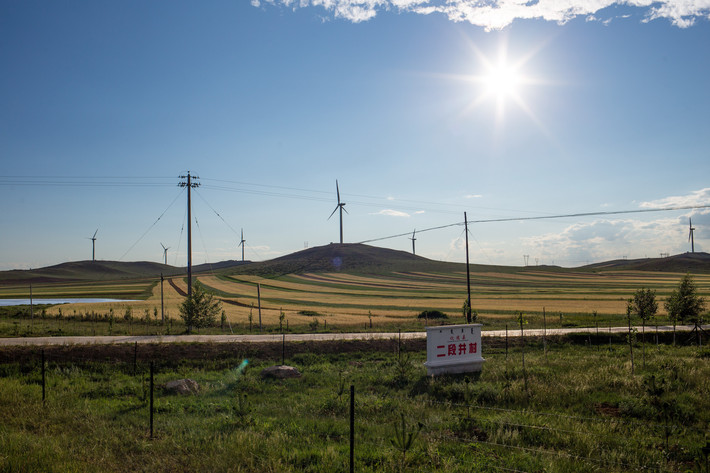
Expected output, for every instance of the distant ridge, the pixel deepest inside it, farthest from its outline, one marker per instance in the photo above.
(683, 263)
(89, 270)
(77, 271)
(355, 257)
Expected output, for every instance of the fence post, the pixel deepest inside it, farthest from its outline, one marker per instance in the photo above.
(135, 357)
(151, 399)
(44, 392)
(283, 349)
(352, 428)
(506, 342)
(544, 333)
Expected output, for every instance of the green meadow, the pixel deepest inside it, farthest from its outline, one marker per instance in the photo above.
(573, 406)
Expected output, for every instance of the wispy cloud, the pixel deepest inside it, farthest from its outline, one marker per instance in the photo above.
(391, 213)
(699, 197)
(497, 14)
(473, 196)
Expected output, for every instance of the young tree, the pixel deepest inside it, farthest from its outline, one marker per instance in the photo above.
(684, 303)
(645, 306)
(200, 309)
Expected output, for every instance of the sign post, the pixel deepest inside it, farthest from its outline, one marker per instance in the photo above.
(452, 349)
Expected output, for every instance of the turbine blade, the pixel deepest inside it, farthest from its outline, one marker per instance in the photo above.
(337, 189)
(97, 231)
(343, 207)
(336, 209)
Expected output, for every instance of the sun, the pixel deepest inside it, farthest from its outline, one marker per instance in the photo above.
(502, 82)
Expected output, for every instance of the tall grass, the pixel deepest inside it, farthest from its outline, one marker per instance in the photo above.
(583, 411)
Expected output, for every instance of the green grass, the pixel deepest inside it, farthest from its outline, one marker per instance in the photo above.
(582, 411)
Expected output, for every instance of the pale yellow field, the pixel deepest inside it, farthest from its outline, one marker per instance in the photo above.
(397, 296)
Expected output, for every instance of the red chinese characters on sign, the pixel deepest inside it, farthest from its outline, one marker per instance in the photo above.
(457, 349)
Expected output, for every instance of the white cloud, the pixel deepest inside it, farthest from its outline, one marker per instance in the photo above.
(419, 212)
(603, 240)
(699, 197)
(497, 14)
(473, 196)
(391, 213)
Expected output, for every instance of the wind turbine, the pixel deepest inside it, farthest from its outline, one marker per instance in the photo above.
(691, 238)
(93, 245)
(165, 252)
(413, 240)
(241, 243)
(339, 207)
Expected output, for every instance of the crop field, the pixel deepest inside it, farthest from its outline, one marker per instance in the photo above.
(352, 301)
(572, 407)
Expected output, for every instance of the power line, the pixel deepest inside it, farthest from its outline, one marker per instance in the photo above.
(547, 217)
(151, 227)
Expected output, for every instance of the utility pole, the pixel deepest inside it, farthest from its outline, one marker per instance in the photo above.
(190, 185)
(468, 271)
(162, 301)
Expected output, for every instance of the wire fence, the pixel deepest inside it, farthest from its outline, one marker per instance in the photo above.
(503, 435)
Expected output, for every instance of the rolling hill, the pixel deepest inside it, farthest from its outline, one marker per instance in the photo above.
(357, 258)
(682, 263)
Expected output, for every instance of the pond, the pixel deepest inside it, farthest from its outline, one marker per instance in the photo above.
(66, 300)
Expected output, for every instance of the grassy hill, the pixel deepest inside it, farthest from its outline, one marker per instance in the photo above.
(345, 258)
(77, 271)
(354, 258)
(682, 263)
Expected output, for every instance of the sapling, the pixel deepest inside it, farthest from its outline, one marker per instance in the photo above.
(404, 439)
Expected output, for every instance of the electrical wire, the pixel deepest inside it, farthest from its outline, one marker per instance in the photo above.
(151, 227)
(546, 217)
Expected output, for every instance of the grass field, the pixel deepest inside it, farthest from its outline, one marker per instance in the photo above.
(575, 408)
(385, 300)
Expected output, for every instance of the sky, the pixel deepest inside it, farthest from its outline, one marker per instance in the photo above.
(564, 130)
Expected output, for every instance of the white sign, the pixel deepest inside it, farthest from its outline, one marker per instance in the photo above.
(453, 349)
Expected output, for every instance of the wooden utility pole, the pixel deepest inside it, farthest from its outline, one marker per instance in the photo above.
(258, 295)
(468, 272)
(190, 185)
(162, 301)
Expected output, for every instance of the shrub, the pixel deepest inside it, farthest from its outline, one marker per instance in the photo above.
(432, 314)
(309, 313)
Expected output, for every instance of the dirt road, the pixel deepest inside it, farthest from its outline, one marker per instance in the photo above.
(294, 337)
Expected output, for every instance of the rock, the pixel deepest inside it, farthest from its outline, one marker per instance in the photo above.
(182, 386)
(280, 372)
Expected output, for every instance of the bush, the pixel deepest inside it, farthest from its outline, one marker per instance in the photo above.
(200, 309)
(309, 313)
(432, 314)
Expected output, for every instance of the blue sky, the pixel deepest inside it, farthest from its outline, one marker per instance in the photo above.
(104, 104)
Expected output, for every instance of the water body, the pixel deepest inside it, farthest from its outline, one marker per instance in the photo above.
(11, 302)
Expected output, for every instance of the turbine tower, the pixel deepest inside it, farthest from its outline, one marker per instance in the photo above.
(165, 252)
(339, 207)
(241, 243)
(93, 245)
(691, 237)
(413, 240)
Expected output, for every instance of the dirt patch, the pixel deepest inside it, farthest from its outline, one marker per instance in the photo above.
(607, 409)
